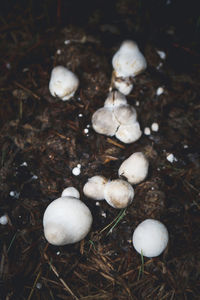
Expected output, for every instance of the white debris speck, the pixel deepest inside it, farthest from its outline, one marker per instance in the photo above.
(3, 220)
(25, 70)
(80, 115)
(24, 164)
(76, 171)
(66, 42)
(154, 127)
(185, 146)
(147, 131)
(38, 285)
(159, 91)
(152, 188)
(58, 253)
(103, 214)
(19, 217)
(88, 126)
(162, 54)
(34, 177)
(137, 103)
(79, 166)
(97, 203)
(58, 52)
(8, 65)
(159, 66)
(171, 158)
(14, 194)
(158, 169)
(86, 130)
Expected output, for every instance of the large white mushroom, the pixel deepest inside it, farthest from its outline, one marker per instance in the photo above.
(134, 168)
(150, 238)
(66, 220)
(63, 83)
(104, 121)
(118, 193)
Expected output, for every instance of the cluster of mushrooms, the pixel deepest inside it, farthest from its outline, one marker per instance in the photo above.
(67, 219)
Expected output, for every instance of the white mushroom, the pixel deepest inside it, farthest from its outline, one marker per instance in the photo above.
(115, 99)
(124, 85)
(128, 133)
(125, 114)
(104, 121)
(71, 192)
(94, 187)
(128, 60)
(134, 168)
(150, 238)
(63, 83)
(118, 193)
(66, 220)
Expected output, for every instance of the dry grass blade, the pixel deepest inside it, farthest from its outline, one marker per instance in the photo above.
(27, 90)
(115, 143)
(34, 284)
(67, 288)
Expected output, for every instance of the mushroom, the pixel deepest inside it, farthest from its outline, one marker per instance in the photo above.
(123, 84)
(128, 133)
(125, 114)
(115, 99)
(94, 187)
(128, 60)
(63, 83)
(134, 168)
(118, 193)
(71, 192)
(104, 121)
(66, 220)
(150, 238)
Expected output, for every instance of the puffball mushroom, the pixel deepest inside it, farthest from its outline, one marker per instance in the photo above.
(118, 193)
(123, 85)
(104, 121)
(71, 192)
(115, 99)
(63, 83)
(128, 133)
(125, 114)
(66, 220)
(134, 168)
(150, 238)
(94, 187)
(128, 60)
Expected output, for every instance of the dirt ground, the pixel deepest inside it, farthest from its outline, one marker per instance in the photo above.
(43, 138)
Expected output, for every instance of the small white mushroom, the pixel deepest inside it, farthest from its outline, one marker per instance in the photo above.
(134, 168)
(124, 85)
(128, 60)
(104, 121)
(115, 99)
(118, 193)
(66, 220)
(125, 114)
(71, 192)
(63, 83)
(128, 133)
(94, 187)
(150, 238)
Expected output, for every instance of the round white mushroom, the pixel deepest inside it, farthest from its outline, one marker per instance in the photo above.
(128, 60)
(118, 193)
(124, 85)
(134, 168)
(125, 114)
(71, 192)
(104, 121)
(128, 133)
(94, 187)
(115, 99)
(66, 220)
(63, 83)
(150, 238)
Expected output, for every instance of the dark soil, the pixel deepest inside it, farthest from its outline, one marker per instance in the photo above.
(42, 139)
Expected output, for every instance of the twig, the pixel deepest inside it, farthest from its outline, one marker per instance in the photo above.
(34, 284)
(27, 90)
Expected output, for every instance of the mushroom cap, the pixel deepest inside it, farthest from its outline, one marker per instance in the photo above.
(94, 187)
(150, 238)
(134, 168)
(63, 83)
(118, 193)
(123, 86)
(128, 60)
(115, 99)
(104, 121)
(71, 192)
(66, 220)
(128, 133)
(125, 114)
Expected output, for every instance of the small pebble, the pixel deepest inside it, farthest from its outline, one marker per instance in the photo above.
(80, 115)
(66, 42)
(86, 130)
(34, 177)
(25, 70)
(103, 214)
(3, 220)
(159, 66)
(162, 54)
(147, 131)
(155, 127)
(8, 65)
(38, 285)
(97, 203)
(185, 146)
(24, 164)
(159, 91)
(171, 158)
(58, 253)
(137, 103)
(14, 194)
(58, 51)
(76, 171)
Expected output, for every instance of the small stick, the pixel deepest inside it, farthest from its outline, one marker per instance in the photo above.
(27, 90)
